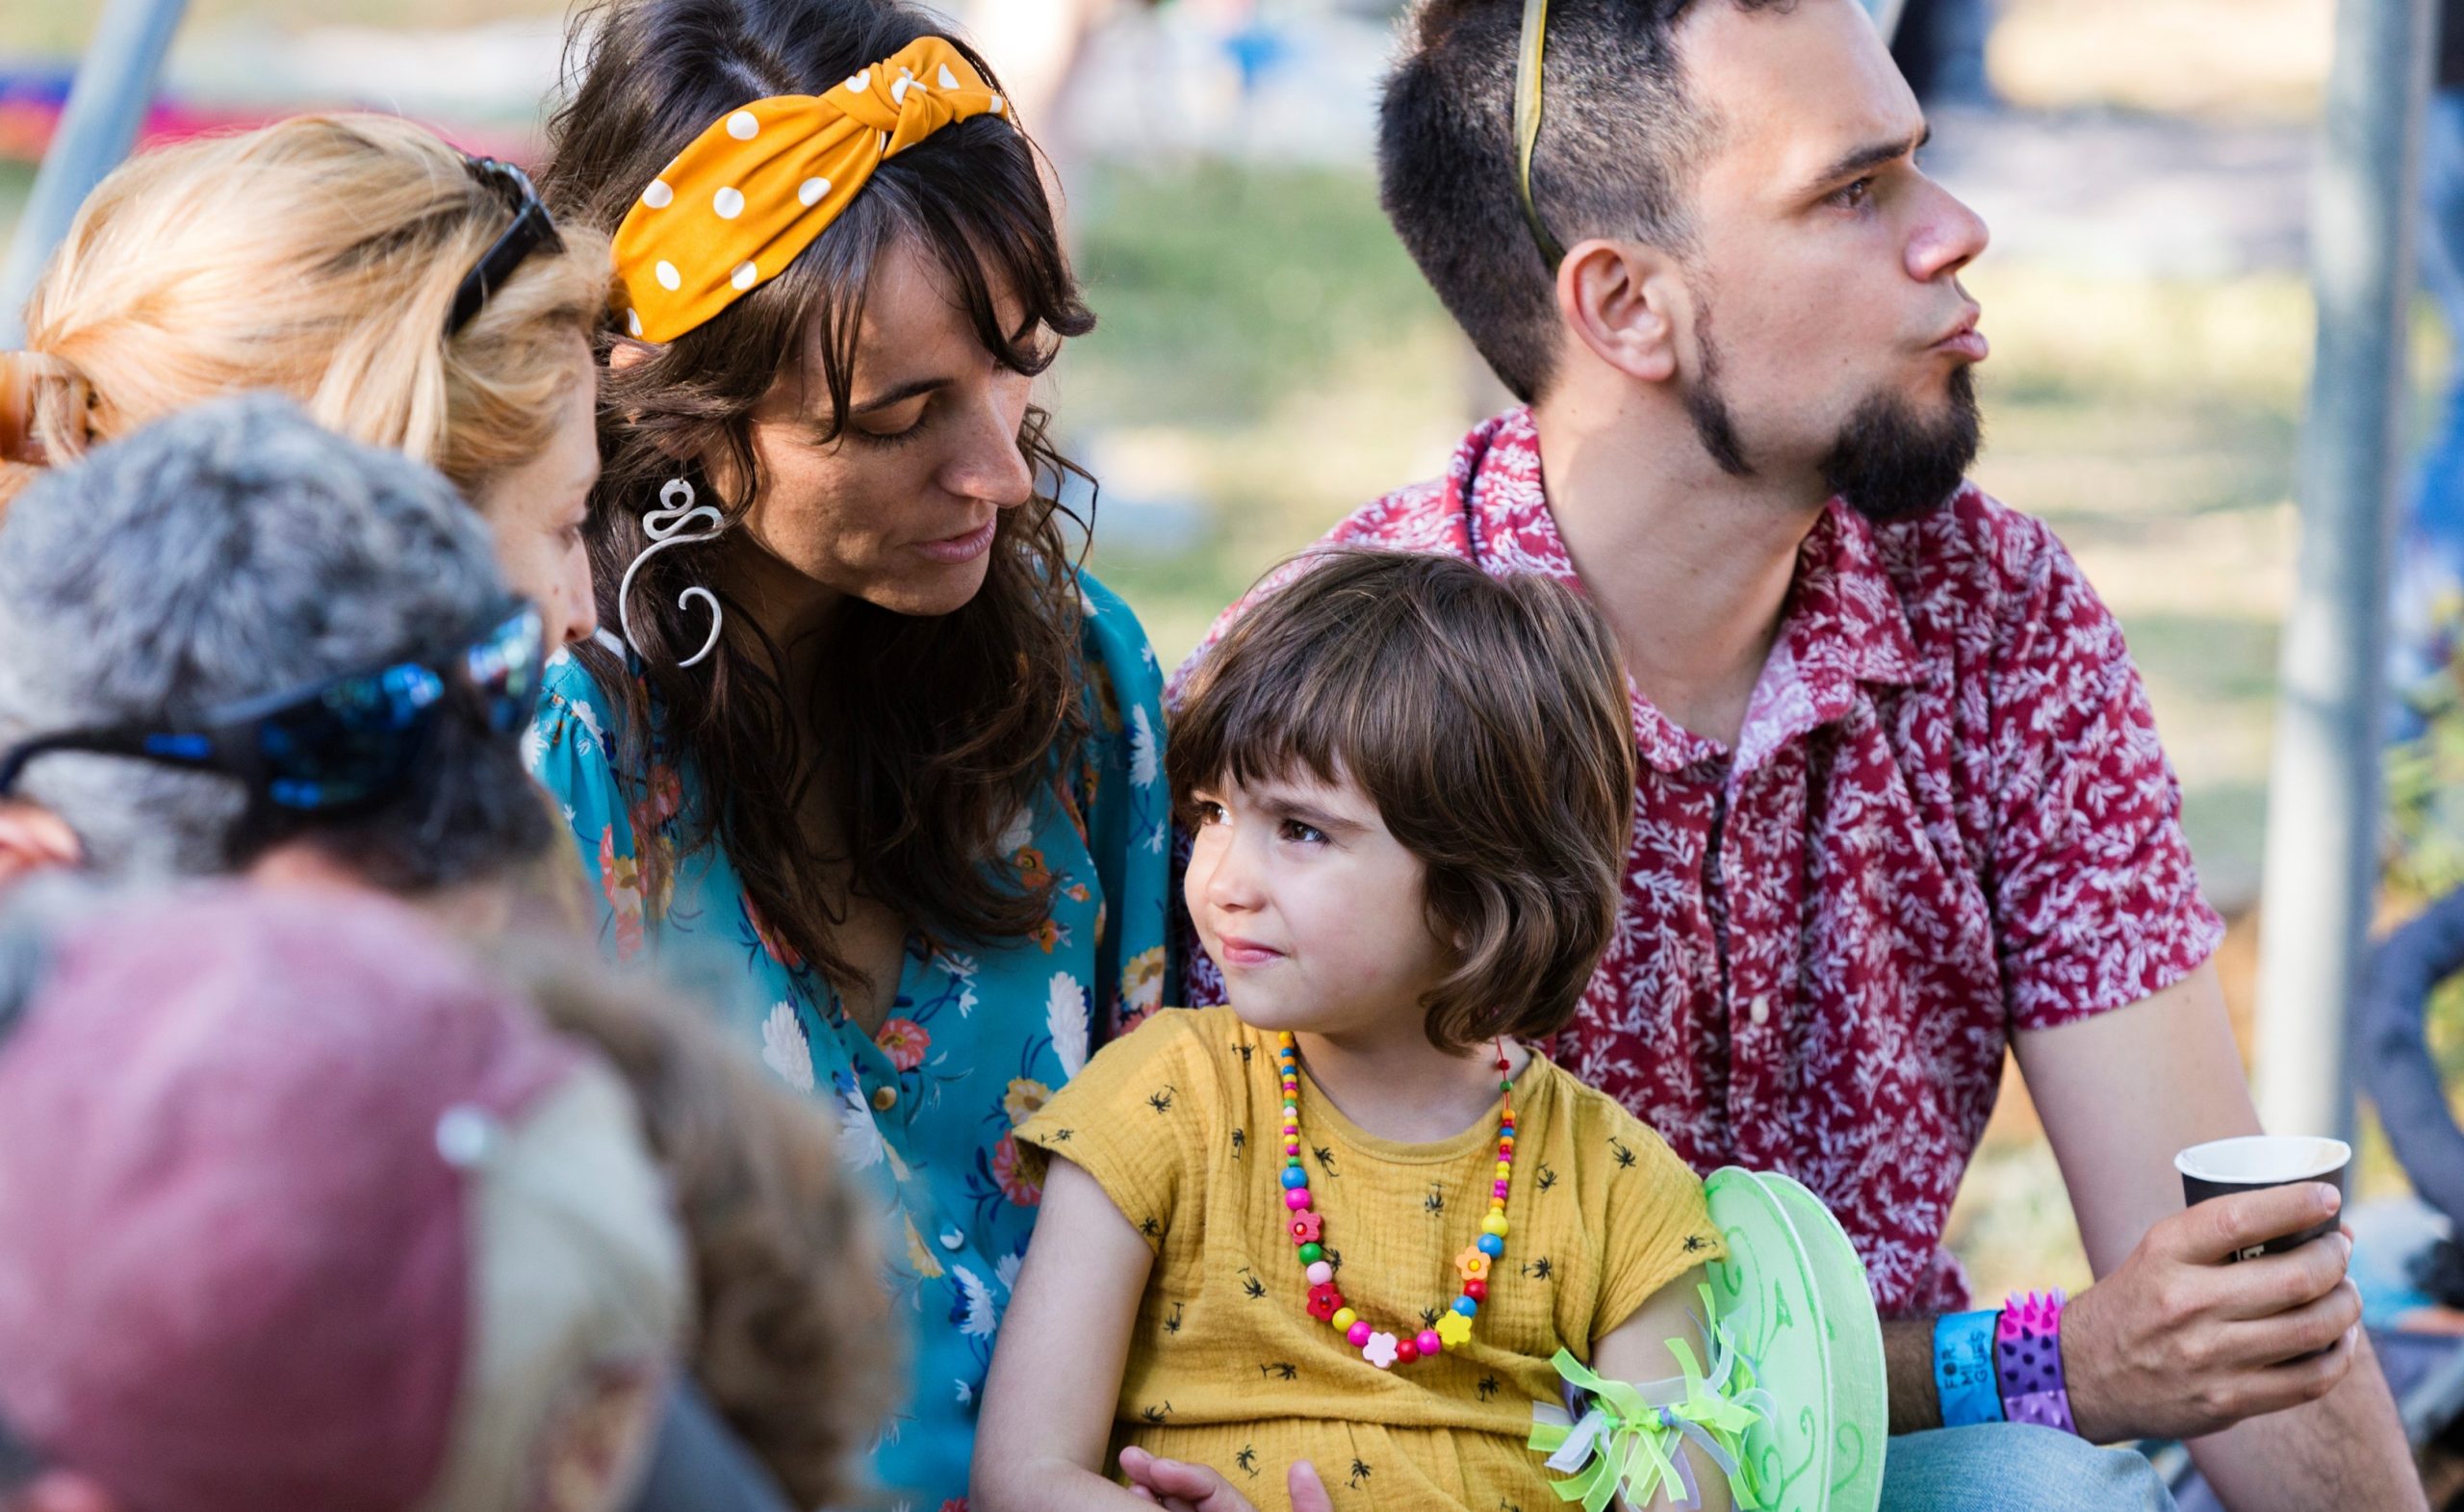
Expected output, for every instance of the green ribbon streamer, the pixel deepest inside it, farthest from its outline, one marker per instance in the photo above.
(1634, 1446)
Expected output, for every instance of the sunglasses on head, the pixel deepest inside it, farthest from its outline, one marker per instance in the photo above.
(1529, 61)
(532, 230)
(335, 744)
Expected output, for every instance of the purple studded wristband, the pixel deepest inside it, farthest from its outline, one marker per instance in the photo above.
(2027, 1356)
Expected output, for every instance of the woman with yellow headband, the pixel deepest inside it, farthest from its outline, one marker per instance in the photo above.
(859, 748)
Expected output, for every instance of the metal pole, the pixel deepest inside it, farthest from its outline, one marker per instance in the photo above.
(105, 105)
(2322, 820)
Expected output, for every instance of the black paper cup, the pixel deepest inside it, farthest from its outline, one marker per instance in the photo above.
(2257, 1160)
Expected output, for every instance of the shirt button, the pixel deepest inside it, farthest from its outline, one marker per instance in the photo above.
(1761, 1010)
(885, 1097)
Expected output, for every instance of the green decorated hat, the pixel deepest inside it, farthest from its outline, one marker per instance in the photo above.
(1788, 1402)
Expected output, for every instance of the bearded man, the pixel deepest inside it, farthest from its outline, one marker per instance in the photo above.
(1901, 803)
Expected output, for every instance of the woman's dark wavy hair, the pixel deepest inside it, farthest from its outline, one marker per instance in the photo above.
(942, 727)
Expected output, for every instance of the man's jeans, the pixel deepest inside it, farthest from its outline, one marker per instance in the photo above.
(2015, 1467)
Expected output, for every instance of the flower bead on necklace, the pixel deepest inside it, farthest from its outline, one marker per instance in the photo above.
(1307, 1228)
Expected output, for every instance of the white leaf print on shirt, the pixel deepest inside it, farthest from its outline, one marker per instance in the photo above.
(978, 1322)
(1008, 1269)
(859, 1139)
(588, 718)
(784, 1048)
(1143, 766)
(1065, 1020)
(962, 968)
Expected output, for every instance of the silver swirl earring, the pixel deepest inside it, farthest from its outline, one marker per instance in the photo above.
(677, 521)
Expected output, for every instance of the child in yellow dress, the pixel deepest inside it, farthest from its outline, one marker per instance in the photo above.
(1339, 1228)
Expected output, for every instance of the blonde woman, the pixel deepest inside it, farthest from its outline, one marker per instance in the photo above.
(407, 296)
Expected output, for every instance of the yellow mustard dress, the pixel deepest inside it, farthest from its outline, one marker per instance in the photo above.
(1180, 1123)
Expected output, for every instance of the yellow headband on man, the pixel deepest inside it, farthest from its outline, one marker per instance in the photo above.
(751, 191)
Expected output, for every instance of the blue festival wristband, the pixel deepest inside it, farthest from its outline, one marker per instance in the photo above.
(1964, 1378)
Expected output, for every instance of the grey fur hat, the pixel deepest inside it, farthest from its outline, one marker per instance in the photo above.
(229, 551)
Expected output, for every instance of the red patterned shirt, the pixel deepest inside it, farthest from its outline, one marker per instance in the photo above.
(1947, 817)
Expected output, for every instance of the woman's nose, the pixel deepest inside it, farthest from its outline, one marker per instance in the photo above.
(990, 464)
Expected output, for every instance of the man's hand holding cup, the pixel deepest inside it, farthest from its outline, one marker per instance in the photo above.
(2234, 1308)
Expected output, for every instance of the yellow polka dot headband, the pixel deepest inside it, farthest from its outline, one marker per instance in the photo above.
(737, 205)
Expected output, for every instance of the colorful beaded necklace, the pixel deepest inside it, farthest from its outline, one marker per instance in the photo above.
(1307, 1229)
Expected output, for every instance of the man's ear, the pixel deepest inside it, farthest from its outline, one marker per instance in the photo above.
(1624, 303)
(596, 1447)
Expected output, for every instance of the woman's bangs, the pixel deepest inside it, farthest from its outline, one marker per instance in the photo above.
(999, 240)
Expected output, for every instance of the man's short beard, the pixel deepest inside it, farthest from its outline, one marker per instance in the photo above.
(1890, 462)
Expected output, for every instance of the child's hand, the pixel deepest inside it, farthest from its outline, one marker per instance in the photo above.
(1179, 1487)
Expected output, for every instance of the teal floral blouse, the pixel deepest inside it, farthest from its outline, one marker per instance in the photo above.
(978, 1037)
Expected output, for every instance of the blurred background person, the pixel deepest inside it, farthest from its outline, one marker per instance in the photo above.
(405, 296)
(1939, 48)
(296, 1209)
(1039, 47)
(2410, 1269)
(410, 297)
(238, 642)
(239, 517)
(792, 1346)
(2429, 565)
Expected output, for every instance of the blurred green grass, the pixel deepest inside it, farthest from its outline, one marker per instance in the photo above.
(1266, 354)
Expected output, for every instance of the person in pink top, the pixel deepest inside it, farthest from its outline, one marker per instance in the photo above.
(1901, 803)
(300, 1211)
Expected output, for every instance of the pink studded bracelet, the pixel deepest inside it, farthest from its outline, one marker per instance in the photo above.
(2027, 1356)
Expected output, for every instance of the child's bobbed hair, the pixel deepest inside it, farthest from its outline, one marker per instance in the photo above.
(1486, 717)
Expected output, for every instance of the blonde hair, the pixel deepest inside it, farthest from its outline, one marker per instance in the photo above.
(317, 257)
